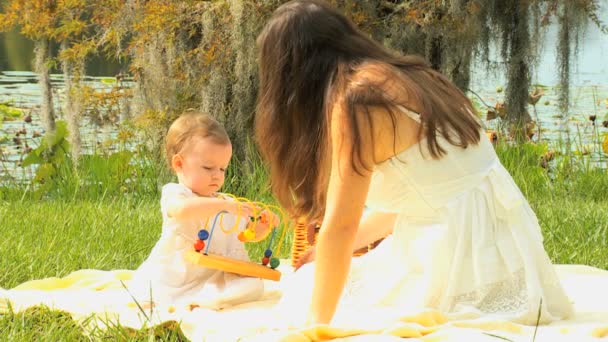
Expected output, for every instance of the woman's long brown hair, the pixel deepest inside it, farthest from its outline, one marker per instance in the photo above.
(310, 55)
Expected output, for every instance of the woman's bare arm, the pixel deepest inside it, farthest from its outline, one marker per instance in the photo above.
(377, 225)
(346, 195)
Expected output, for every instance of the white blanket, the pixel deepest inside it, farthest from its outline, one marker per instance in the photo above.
(101, 293)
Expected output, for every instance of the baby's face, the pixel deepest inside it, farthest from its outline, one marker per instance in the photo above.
(204, 166)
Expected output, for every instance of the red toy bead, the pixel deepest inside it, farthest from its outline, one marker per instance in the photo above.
(264, 218)
(199, 245)
(265, 261)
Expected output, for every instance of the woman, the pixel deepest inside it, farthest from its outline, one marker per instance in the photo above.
(345, 123)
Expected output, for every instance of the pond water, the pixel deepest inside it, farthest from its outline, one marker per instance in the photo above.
(19, 89)
(589, 95)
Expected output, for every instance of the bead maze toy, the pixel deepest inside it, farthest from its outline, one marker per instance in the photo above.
(266, 270)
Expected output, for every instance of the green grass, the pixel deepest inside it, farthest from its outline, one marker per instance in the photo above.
(43, 324)
(575, 230)
(569, 199)
(40, 324)
(54, 238)
(61, 234)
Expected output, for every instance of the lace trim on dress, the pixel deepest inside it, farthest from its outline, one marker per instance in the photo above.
(508, 296)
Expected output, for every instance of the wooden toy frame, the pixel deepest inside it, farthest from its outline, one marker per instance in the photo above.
(246, 268)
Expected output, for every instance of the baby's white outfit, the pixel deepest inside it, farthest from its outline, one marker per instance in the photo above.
(166, 277)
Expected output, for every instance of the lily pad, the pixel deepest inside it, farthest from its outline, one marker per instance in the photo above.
(108, 80)
(8, 112)
(540, 86)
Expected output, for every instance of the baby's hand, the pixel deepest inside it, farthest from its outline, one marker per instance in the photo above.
(267, 221)
(242, 209)
(269, 218)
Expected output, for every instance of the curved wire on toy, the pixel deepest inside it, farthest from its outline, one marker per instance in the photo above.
(249, 233)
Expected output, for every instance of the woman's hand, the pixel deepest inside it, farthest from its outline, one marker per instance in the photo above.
(307, 257)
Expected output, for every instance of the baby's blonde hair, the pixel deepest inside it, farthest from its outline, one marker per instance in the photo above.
(193, 124)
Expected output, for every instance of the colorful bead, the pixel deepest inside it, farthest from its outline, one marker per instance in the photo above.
(249, 234)
(241, 236)
(274, 263)
(264, 218)
(268, 253)
(265, 261)
(198, 245)
(203, 234)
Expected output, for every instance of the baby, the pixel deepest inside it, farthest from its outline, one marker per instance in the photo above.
(199, 151)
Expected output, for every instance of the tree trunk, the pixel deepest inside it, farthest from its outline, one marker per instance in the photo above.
(72, 73)
(244, 89)
(435, 51)
(461, 73)
(47, 112)
(518, 73)
(563, 50)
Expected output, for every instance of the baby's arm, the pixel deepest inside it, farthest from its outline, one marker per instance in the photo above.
(195, 208)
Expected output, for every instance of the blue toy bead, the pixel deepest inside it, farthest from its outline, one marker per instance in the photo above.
(203, 234)
(268, 253)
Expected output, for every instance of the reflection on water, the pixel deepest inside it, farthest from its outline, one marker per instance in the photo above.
(17, 54)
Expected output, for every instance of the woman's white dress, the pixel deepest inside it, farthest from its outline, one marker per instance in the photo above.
(466, 242)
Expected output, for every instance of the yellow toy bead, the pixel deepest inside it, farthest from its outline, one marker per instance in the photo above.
(249, 234)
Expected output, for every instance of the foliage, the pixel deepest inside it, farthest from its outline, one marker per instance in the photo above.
(452, 34)
(7, 112)
(201, 54)
(50, 157)
(191, 54)
(109, 172)
(105, 106)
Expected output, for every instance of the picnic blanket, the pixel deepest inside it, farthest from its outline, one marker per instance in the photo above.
(103, 295)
